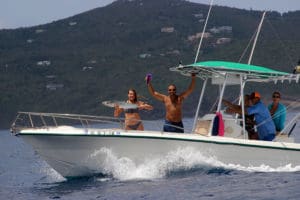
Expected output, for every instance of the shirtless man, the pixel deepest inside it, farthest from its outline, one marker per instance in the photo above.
(173, 104)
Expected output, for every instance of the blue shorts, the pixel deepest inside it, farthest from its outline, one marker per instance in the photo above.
(176, 127)
(268, 137)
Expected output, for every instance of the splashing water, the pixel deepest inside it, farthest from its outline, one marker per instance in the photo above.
(125, 169)
(183, 159)
(265, 168)
(51, 174)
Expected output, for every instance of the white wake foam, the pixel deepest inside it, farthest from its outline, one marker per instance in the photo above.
(123, 168)
(51, 174)
(264, 168)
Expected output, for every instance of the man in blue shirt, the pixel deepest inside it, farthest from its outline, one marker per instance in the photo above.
(264, 123)
(277, 111)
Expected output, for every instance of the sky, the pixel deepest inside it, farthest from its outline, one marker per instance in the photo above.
(25, 13)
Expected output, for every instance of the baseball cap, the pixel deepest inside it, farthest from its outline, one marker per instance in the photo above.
(255, 95)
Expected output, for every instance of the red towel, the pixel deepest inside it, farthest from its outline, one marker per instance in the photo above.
(221, 124)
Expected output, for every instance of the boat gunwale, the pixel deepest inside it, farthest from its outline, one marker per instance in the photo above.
(118, 133)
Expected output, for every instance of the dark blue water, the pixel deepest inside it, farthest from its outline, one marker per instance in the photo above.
(24, 176)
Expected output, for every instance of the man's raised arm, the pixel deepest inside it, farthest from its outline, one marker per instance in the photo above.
(155, 94)
(190, 88)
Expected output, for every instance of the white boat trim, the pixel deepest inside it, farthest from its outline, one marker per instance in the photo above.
(71, 131)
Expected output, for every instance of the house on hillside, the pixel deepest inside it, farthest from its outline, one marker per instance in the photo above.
(223, 40)
(72, 23)
(37, 31)
(86, 68)
(145, 55)
(198, 15)
(173, 52)
(221, 29)
(50, 76)
(92, 61)
(43, 63)
(29, 41)
(191, 38)
(167, 30)
(54, 86)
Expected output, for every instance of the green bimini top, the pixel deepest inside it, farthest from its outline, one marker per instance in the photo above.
(211, 69)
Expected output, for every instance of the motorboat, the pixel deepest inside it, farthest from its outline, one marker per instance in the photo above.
(80, 145)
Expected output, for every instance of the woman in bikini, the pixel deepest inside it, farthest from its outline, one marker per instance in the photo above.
(132, 116)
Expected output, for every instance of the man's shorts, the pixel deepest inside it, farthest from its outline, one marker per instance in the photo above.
(176, 127)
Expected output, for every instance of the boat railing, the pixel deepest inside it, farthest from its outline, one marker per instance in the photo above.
(37, 120)
(31, 120)
(290, 126)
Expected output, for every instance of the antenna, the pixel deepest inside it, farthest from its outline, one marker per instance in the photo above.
(255, 40)
(203, 31)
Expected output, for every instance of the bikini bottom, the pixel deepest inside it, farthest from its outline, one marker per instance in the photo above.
(134, 126)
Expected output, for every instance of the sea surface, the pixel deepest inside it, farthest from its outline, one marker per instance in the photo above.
(25, 176)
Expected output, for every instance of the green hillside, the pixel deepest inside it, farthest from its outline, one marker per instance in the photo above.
(71, 65)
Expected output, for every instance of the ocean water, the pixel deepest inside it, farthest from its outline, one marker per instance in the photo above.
(184, 175)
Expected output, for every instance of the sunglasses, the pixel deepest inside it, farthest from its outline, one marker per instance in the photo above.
(171, 90)
(276, 96)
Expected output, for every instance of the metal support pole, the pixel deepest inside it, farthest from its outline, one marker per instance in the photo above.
(221, 94)
(243, 105)
(199, 103)
(255, 40)
(203, 31)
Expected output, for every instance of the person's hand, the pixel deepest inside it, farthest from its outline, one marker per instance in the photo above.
(141, 106)
(148, 78)
(229, 110)
(117, 110)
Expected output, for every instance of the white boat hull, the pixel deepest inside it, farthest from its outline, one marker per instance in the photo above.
(81, 152)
